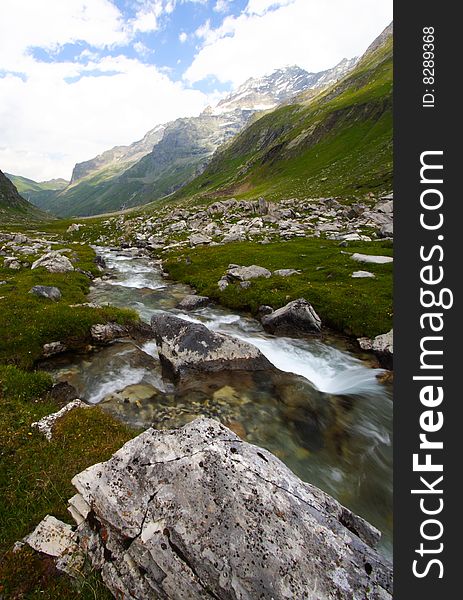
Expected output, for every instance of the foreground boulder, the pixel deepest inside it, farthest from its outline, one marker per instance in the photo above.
(185, 348)
(296, 318)
(196, 513)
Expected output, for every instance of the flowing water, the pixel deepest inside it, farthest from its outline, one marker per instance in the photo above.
(326, 416)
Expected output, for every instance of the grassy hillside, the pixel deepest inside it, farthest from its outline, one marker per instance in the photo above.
(85, 197)
(338, 143)
(182, 153)
(25, 185)
(13, 207)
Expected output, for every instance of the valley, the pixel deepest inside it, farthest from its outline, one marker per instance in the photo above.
(194, 326)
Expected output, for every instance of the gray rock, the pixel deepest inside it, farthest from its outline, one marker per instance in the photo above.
(193, 302)
(297, 317)
(107, 332)
(3, 282)
(19, 238)
(387, 231)
(286, 272)
(262, 206)
(371, 258)
(44, 291)
(53, 348)
(197, 239)
(54, 262)
(11, 262)
(385, 205)
(52, 537)
(382, 345)
(233, 237)
(264, 309)
(186, 348)
(362, 274)
(222, 284)
(237, 273)
(74, 227)
(197, 513)
(46, 424)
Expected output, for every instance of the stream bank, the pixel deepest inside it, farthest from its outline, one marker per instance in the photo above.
(327, 416)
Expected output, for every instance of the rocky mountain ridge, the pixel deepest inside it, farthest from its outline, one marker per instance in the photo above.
(119, 155)
(334, 142)
(172, 154)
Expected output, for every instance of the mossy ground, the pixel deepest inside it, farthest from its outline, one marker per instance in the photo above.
(28, 322)
(35, 480)
(358, 307)
(35, 475)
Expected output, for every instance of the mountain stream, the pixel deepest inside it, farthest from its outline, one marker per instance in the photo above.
(327, 417)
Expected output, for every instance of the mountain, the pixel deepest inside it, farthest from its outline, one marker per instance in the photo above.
(25, 185)
(13, 207)
(37, 193)
(119, 157)
(171, 155)
(334, 142)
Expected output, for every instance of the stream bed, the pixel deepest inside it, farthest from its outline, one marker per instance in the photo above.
(327, 416)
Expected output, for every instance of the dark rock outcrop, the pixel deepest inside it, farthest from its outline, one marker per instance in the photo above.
(296, 318)
(185, 348)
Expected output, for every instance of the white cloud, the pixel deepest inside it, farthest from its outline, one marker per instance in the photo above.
(183, 37)
(269, 34)
(52, 23)
(204, 31)
(53, 114)
(260, 7)
(222, 6)
(147, 17)
(141, 49)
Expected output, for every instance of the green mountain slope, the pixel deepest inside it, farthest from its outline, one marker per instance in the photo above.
(125, 177)
(336, 143)
(25, 185)
(41, 193)
(13, 207)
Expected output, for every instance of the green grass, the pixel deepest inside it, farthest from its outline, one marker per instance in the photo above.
(35, 475)
(29, 322)
(357, 307)
(35, 480)
(25, 574)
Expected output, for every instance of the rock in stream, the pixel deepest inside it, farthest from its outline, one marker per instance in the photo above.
(186, 348)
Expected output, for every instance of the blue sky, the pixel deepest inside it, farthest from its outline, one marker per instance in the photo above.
(171, 47)
(80, 76)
